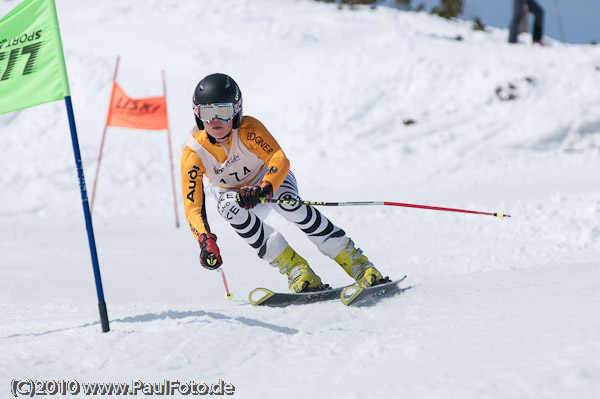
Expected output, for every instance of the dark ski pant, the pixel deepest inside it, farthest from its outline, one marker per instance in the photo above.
(538, 23)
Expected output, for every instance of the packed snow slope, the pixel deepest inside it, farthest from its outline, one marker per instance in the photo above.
(498, 308)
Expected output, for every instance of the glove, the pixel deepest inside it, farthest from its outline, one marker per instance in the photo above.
(250, 196)
(210, 256)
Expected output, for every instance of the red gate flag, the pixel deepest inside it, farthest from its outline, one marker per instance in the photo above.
(144, 113)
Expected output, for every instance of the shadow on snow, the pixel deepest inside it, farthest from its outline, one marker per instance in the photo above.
(174, 315)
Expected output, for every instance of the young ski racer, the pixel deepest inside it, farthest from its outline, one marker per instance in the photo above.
(244, 165)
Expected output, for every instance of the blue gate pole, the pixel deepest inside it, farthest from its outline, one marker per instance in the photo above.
(88, 217)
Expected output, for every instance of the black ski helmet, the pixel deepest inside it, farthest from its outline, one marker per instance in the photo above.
(218, 88)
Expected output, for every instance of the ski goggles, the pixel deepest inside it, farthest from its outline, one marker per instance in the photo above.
(223, 111)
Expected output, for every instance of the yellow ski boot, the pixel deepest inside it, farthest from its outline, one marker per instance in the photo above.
(301, 278)
(356, 264)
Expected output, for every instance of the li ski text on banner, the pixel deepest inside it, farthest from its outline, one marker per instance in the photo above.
(144, 113)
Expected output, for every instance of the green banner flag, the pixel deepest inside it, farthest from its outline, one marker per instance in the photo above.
(32, 72)
(32, 66)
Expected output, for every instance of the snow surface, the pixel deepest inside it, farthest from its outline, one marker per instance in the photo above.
(498, 309)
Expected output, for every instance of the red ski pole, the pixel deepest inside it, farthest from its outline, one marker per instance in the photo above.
(228, 295)
(500, 215)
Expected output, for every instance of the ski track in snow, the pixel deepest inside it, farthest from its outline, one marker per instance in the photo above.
(497, 309)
